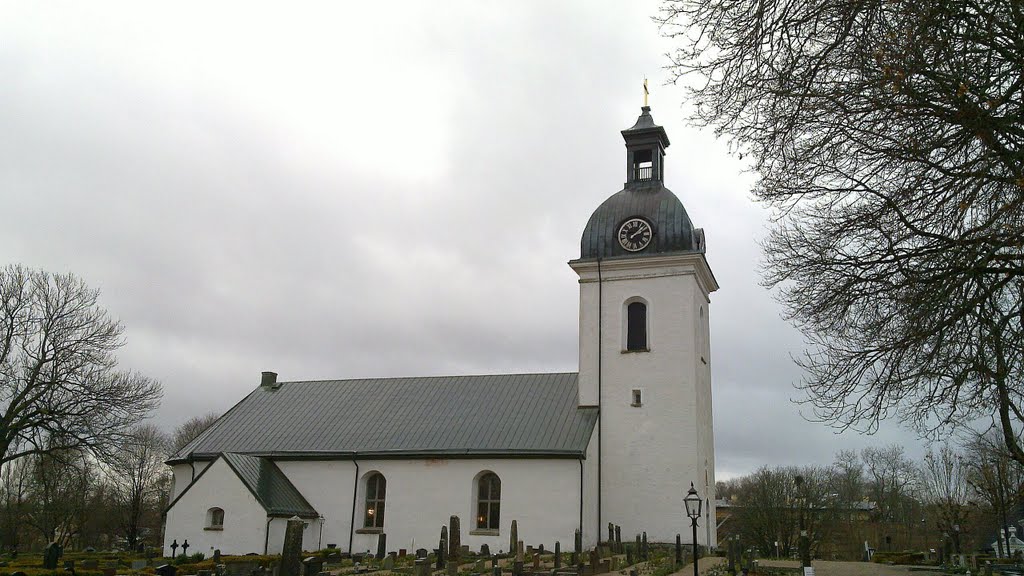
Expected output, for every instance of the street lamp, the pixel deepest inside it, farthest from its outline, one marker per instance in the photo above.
(693, 505)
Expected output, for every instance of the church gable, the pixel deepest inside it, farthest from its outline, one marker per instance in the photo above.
(492, 415)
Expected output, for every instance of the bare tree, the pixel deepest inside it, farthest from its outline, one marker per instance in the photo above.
(888, 139)
(943, 481)
(891, 480)
(135, 472)
(189, 430)
(61, 484)
(997, 479)
(59, 387)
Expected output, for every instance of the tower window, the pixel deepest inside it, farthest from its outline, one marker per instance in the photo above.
(637, 398)
(636, 326)
(375, 491)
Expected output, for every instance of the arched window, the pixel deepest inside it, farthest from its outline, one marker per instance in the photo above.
(375, 491)
(488, 502)
(215, 519)
(636, 326)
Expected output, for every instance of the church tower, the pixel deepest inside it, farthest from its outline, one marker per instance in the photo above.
(645, 357)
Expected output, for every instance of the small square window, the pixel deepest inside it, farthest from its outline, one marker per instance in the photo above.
(637, 398)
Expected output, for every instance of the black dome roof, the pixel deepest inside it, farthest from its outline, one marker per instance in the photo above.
(673, 231)
(644, 196)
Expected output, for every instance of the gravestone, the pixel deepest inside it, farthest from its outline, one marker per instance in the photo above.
(382, 546)
(611, 533)
(517, 565)
(679, 550)
(442, 548)
(389, 562)
(536, 562)
(577, 554)
(595, 559)
(184, 548)
(629, 555)
(454, 539)
(312, 566)
(422, 566)
(558, 554)
(646, 551)
(618, 539)
(164, 570)
(291, 551)
(421, 553)
(51, 554)
(402, 553)
(485, 550)
(513, 537)
(216, 556)
(464, 551)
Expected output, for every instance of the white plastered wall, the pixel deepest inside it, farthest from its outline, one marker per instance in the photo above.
(650, 453)
(244, 517)
(542, 495)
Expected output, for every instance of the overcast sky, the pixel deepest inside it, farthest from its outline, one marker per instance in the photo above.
(343, 189)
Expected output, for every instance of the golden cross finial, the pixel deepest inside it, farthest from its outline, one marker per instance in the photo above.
(645, 92)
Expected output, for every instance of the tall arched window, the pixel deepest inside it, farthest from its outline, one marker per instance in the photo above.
(636, 326)
(488, 502)
(375, 492)
(215, 519)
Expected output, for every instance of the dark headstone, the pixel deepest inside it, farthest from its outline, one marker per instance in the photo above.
(517, 565)
(312, 566)
(513, 537)
(646, 552)
(421, 553)
(51, 554)
(216, 556)
(595, 558)
(611, 532)
(382, 546)
(629, 555)
(422, 566)
(485, 550)
(454, 539)
(165, 570)
(184, 548)
(291, 551)
(577, 555)
(679, 550)
(558, 554)
(618, 539)
(442, 548)
(402, 553)
(637, 549)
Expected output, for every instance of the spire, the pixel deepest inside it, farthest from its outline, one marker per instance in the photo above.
(645, 151)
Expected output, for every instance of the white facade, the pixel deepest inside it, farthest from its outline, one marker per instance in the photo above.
(649, 453)
(245, 523)
(542, 495)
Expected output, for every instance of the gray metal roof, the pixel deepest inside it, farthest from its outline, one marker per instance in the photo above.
(273, 490)
(673, 231)
(498, 415)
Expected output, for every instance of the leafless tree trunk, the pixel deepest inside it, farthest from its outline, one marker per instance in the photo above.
(135, 473)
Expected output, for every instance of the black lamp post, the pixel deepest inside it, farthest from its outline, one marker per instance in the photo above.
(693, 505)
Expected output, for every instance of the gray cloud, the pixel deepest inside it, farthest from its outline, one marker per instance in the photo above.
(333, 191)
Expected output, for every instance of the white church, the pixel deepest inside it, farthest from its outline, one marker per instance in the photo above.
(618, 442)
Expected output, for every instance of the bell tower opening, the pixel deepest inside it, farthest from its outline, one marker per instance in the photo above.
(645, 151)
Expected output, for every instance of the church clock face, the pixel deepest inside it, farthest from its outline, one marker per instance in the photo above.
(635, 234)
